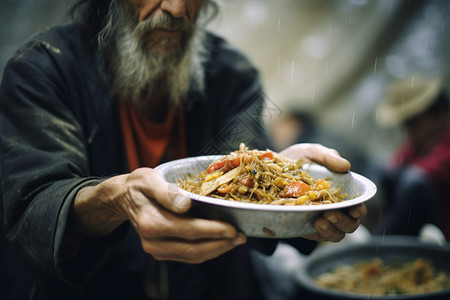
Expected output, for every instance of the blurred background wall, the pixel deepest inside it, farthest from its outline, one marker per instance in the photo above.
(329, 59)
(19, 19)
(334, 59)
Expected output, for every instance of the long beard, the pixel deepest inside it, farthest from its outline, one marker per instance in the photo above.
(139, 72)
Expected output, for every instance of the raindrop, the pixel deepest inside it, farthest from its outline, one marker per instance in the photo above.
(278, 64)
(353, 119)
(330, 29)
(375, 66)
(292, 70)
(314, 89)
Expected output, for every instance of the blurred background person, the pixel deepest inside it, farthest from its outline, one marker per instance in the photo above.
(415, 184)
(292, 126)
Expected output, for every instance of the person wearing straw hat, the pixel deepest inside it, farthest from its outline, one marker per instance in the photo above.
(419, 173)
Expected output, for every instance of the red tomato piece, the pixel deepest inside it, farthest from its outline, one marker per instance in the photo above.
(228, 163)
(234, 161)
(266, 155)
(295, 189)
(246, 181)
(216, 166)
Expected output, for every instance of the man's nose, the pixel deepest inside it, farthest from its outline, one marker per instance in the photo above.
(177, 8)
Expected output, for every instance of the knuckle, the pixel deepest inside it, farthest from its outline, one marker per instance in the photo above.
(191, 253)
(147, 229)
(148, 248)
(156, 252)
(189, 234)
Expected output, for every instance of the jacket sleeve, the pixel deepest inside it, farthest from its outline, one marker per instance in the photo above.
(44, 160)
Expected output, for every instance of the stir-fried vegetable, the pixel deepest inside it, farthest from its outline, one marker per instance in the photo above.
(263, 177)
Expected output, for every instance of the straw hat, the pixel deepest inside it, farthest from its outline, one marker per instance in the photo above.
(407, 98)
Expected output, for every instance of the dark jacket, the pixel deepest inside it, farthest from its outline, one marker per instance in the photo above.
(60, 132)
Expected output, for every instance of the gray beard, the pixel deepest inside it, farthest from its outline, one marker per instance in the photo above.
(138, 73)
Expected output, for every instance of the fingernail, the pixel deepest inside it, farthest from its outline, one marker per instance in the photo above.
(323, 226)
(239, 240)
(172, 189)
(355, 214)
(333, 219)
(182, 201)
(178, 199)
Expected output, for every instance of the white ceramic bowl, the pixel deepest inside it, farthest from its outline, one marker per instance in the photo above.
(263, 220)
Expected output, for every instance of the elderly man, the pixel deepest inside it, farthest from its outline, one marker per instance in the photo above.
(87, 110)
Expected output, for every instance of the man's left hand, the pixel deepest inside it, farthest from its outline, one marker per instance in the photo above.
(332, 225)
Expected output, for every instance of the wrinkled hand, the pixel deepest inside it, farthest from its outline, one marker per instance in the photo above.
(335, 224)
(155, 209)
(317, 153)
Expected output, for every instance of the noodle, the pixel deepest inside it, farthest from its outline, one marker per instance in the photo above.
(262, 177)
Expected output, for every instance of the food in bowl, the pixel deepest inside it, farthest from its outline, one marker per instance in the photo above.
(262, 177)
(266, 221)
(373, 277)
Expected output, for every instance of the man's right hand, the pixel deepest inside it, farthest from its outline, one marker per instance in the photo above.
(155, 209)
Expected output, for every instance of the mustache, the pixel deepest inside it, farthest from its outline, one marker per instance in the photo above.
(163, 21)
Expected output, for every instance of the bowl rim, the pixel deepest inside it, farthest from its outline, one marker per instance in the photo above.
(371, 190)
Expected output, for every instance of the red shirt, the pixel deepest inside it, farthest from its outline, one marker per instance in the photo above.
(149, 144)
(436, 163)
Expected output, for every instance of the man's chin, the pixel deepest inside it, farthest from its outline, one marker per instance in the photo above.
(167, 52)
(170, 42)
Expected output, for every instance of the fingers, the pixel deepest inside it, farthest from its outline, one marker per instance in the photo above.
(326, 231)
(169, 236)
(320, 154)
(335, 224)
(196, 251)
(154, 222)
(357, 211)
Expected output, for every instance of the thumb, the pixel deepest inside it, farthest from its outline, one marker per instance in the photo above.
(179, 200)
(168, 195)
(317, 153)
